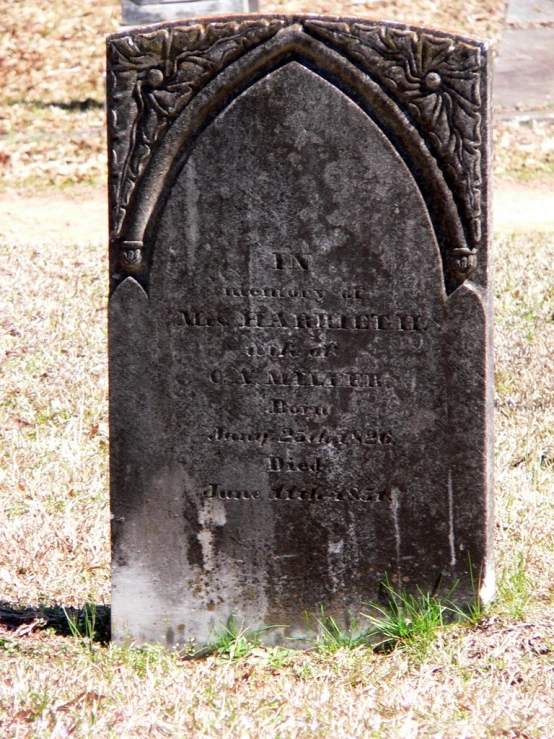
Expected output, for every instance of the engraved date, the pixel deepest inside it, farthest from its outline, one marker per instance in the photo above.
(337, 437)
(317, 493)
(309, 494)
(319, 437)
(217, 491)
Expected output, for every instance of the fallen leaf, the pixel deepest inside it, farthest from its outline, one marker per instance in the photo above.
(23, 715)
(17, 423)
(87, 698)
(26, 629)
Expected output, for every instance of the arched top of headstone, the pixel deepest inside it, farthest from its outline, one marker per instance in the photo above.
(423, 88)
(294, 164)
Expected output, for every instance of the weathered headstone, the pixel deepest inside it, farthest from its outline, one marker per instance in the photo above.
(300, 346)
(523, 80)
(523, 12)
(139, 12)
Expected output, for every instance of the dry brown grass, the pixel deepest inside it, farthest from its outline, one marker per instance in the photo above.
(52, 51)
(51, 117)
(525, 148)
(53, 423)
(52, 64)
(494, 680)
(52, 130)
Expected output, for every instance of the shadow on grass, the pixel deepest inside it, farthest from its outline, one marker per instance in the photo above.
(92, 621)
(80, 105)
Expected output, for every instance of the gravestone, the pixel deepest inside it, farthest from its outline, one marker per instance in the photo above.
(299, 322)
(524, 82)
(139, 12)
(523, 78)
(527, 12)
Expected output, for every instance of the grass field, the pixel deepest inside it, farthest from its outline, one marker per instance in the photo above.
(490, 678)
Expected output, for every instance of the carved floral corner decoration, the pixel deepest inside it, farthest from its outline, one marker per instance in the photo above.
(151, 78)
(437, 82)
(433, 79)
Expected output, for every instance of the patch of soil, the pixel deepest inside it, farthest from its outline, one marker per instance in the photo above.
(77, 214)
(80, 214)
(522, 207)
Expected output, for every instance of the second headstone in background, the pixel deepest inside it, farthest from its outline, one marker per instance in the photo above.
(141, 12)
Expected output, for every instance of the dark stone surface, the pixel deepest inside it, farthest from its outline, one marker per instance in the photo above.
(523, 78)
(300, 349)
(139, 12)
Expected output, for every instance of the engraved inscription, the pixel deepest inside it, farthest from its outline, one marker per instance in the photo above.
(310, 494)
(344, 322)
(216, 491)
(291, 261)
(336, 437)
(316, 493)
(286, 464)
(220, 433)
(196, 318)
(278, 405)
(355, 292)
(276, 351)
(321, 436)
(297, 378)
(290, 349)
(283, 293)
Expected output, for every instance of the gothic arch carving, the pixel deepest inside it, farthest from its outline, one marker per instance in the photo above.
(171, 81)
